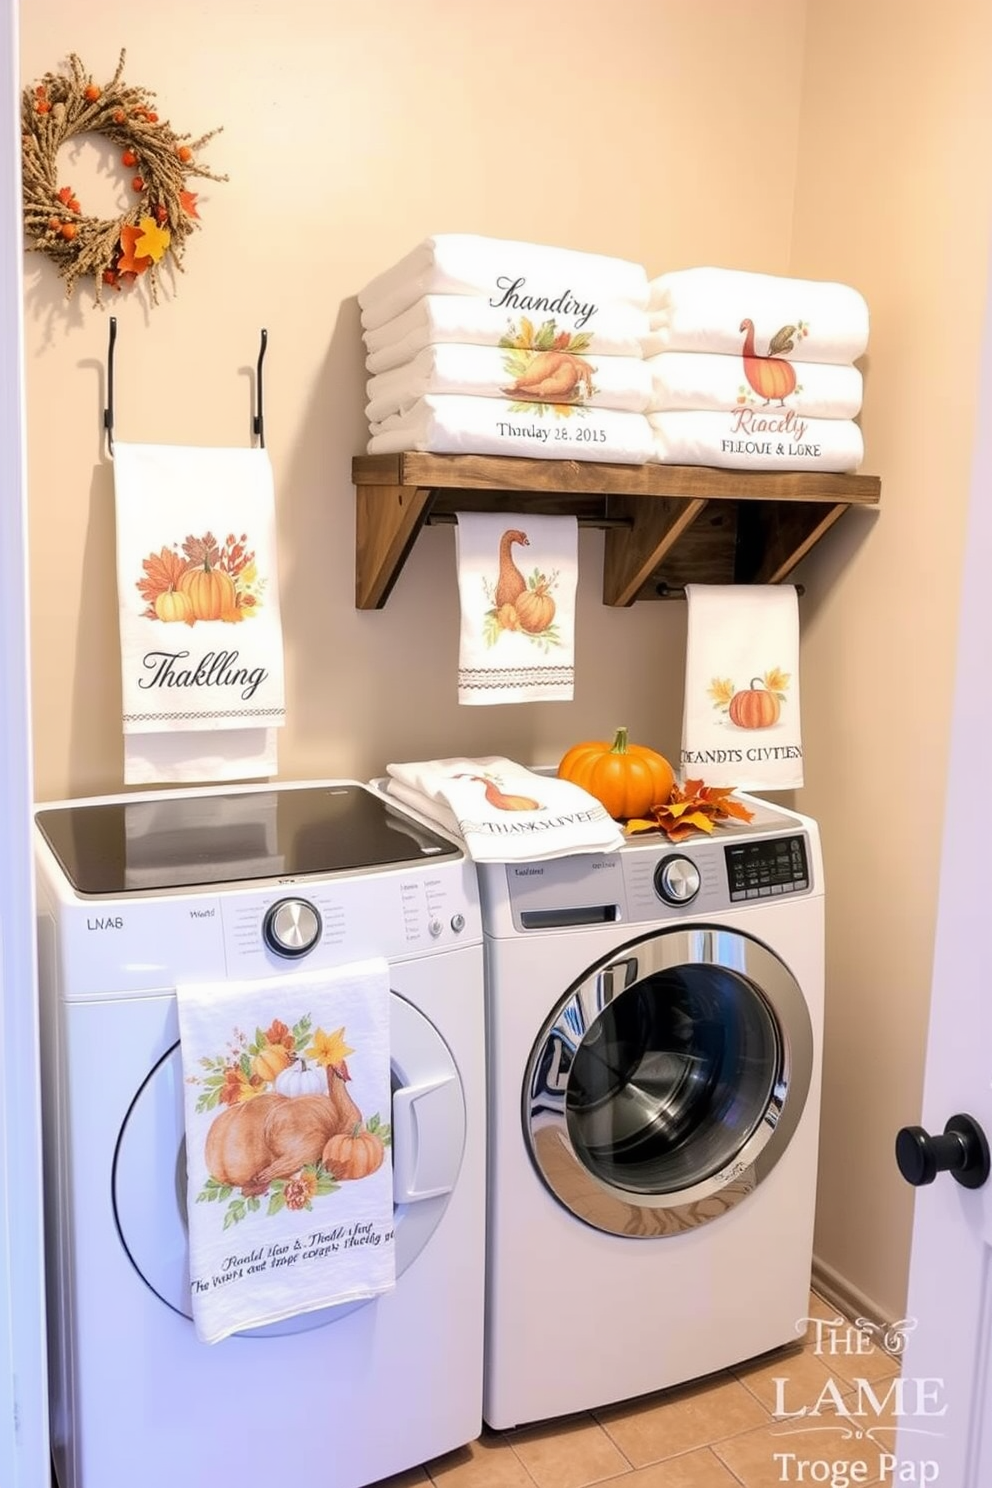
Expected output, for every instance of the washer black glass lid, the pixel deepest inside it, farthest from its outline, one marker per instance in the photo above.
(117, 847)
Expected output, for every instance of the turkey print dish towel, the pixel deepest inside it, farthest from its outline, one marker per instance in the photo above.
(198, 593)
(516, 581)
(290, 1187)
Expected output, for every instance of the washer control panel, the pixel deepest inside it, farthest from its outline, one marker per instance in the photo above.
(764, 869)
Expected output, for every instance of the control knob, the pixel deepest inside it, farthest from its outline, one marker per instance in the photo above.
(676, 879)
(291, 927)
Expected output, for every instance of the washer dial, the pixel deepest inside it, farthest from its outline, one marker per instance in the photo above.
(676, 879)
(291, 927)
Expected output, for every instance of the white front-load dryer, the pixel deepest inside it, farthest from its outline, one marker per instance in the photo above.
(654, 1027)
(142, 893)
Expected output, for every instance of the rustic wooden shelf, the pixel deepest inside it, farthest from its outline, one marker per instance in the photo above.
(667, 525)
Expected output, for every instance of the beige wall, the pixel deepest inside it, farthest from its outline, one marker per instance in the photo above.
(352, 131)
(828, 139)
(893, 195)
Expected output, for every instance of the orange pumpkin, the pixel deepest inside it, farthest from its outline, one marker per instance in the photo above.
(270, 1062)
(211, 592)
(353, 1155)
(173, 605)
(535, 608)
(627, 778)
(756, 707)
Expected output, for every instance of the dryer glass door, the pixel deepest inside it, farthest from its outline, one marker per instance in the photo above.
(428, 1141)
(668, 1082)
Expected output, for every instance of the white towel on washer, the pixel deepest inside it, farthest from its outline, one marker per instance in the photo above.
(289, 1183)
(505, 813)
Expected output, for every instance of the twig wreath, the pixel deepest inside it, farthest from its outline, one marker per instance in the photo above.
(117, 253)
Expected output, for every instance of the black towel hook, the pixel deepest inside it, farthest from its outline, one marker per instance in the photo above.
(108, 412)
(258, 422)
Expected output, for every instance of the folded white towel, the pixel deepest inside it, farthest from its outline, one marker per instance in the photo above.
(741, 721)
(557, 377)
(198, 594)
(529, 279)
(279, 1129)
(470, 320)
(706, 309)
(683, 380)
(517, 636)
(449, 424)
(757, 439)
(506, 814)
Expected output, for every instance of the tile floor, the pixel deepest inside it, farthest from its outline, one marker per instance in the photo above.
(719, 1433)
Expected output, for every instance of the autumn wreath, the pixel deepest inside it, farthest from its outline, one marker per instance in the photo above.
(115, 252)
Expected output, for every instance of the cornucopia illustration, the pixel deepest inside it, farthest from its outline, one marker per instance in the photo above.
(290, 1128)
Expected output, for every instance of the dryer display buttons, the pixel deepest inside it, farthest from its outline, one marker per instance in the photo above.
(677, 880)
(291, 927)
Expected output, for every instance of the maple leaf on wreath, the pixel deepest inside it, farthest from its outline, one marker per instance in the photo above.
(154, 241)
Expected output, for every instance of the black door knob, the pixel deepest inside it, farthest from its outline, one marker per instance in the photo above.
(962, 1151)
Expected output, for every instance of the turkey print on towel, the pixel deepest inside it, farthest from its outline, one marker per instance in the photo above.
(289, 1184)
(516, 581)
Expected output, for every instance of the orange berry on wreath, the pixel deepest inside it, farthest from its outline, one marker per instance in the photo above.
(185, 154)
(119, 116)
(138, 184)
(43, 106)
(91, 93)
(74, 206)
(54, 224)
(152, 118)
(129, 158)
(68, 231)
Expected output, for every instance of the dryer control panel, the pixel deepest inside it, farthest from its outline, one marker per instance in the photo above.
(650, 881)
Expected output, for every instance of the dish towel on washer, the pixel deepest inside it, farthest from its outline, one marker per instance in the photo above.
(517, 642)
(504, 813)
(201, 638)
(741, 723)
(290, 1194)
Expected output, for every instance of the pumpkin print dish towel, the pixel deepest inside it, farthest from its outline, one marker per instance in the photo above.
(516, 582)
(741, 724)
(288, 1137)
(198, 595)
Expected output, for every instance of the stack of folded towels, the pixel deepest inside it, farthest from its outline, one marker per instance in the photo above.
(755, 372)
(487, 346)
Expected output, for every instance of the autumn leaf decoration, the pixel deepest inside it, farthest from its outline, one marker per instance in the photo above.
(204, 580)
(692, 807)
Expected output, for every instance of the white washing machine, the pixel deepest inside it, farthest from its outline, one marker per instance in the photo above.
(141, 893)
(654, 1033)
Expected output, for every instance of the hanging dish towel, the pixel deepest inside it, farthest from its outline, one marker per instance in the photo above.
(516, 582)
(532, 377)
(461, 424)
(470, 320)
(529, 279)
(505, 813)
(198, 594)
(709, 309)
(741, 721)
(290, 1198)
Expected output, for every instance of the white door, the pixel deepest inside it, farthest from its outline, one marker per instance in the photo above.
(23, 1407)
(949, 1422)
